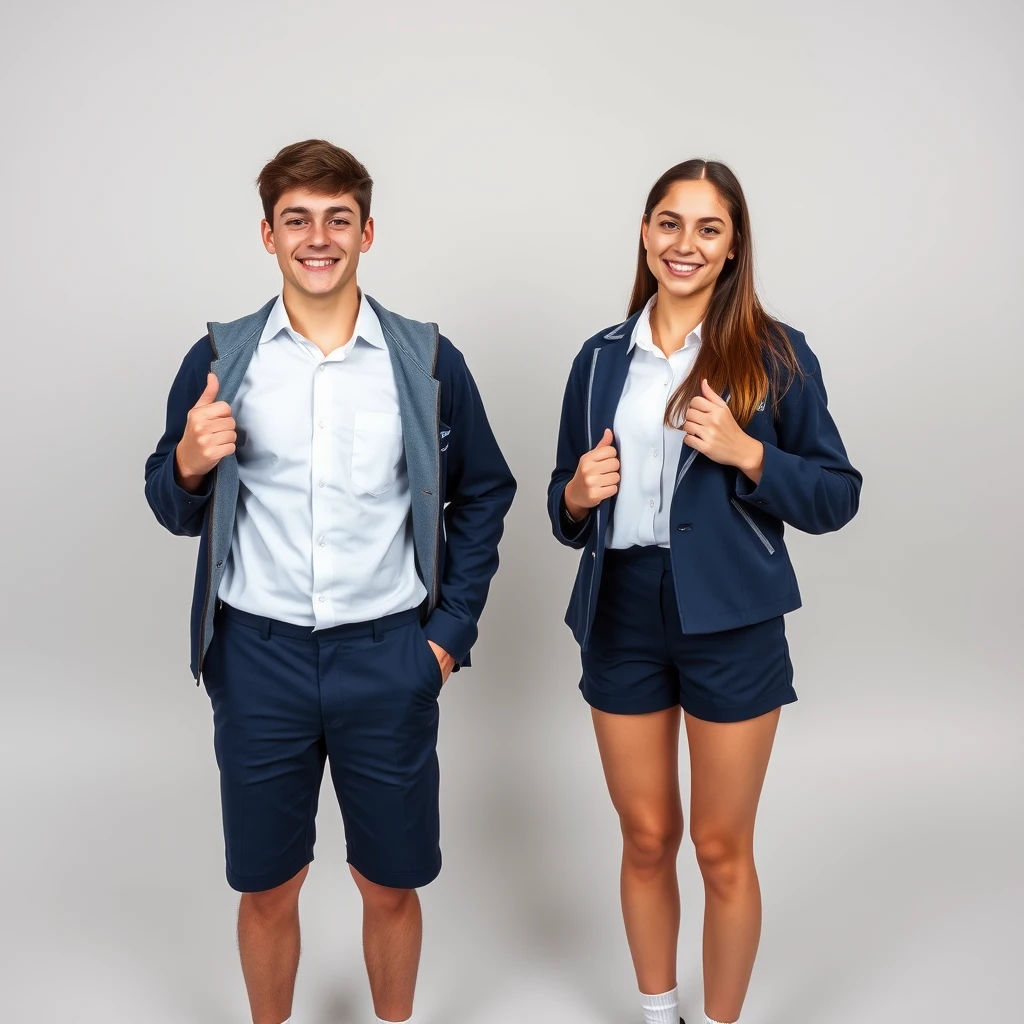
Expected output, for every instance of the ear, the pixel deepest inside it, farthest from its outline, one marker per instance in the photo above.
(643, 230)
(267, 234)
(367, 240)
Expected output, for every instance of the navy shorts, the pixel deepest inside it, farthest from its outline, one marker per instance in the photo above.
(639, 660)
(285, 700)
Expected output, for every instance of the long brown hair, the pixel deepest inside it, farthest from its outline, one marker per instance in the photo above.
(742, 348)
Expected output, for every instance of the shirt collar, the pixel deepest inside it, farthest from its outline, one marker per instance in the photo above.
(367, 327)
(642, 337)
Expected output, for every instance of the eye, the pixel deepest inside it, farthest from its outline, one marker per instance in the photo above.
(293, 223)
(708, 227)
(340, 221)
(668, 225)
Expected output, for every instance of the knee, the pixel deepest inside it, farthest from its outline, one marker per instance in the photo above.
(651, 846)
(277, 903)
(383, 899)
(725, 863)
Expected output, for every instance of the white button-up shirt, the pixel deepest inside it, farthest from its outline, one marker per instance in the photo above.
(648, 449)
(323, 531)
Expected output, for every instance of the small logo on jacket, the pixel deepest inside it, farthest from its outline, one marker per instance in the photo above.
(444, 434)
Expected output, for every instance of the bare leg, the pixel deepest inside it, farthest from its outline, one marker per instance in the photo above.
(728, 762)
(268, 941)
(392, 937)
(640, 754)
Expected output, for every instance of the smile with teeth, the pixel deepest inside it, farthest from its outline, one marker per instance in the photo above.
(683, 268)
(318, 263)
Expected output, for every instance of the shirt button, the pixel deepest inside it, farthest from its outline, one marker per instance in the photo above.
(321, 424)
(321, 599)
(652, 503)
(654, 452)
(322, 367)
(323, 542)
(321, 482)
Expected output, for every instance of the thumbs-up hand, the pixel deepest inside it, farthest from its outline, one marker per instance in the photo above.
(597, 478)
(209, 436)
(711, 429)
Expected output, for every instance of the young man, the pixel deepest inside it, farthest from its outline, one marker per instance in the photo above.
(336, 462)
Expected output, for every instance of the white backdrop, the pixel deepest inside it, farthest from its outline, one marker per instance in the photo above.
(512, 148)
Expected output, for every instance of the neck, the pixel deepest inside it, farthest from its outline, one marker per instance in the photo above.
(673, 318)
(329, 321)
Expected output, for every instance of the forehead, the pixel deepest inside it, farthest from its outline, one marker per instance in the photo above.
(318, 203)
(694, 199)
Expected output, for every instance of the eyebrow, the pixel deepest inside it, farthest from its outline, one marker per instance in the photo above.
(700, 220)
(304, 211)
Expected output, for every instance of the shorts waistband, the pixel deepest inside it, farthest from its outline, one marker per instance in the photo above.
(271, 627)
(647, 557)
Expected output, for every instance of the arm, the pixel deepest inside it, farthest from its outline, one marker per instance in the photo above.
(176, 508)
(806, 480)
(572, 445)
(479, 488)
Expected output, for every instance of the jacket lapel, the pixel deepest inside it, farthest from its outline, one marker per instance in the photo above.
(608, 371)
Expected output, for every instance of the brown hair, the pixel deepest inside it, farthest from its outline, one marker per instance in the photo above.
(742, 348)
(319, 166)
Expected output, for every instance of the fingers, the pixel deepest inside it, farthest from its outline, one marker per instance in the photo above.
(606, 438)
(210, 393)
(710, 394)
(218, 437)
(218, 410)
(700, 405)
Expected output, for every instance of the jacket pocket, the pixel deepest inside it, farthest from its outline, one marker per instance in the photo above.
(750, 522)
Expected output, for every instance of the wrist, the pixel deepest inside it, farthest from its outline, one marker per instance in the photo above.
(184, 477)
(751, 463)
(576, 512)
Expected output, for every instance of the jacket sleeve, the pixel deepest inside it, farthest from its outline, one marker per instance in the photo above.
(175, 508)
(479, 488)
(807, 480)
(572, 445)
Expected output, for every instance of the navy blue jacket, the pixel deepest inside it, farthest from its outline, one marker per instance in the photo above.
(729, 559)
(459, 482)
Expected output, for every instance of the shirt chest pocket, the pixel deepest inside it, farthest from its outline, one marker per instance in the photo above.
(377, 451)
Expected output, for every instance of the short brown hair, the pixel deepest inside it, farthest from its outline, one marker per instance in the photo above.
(319, 166)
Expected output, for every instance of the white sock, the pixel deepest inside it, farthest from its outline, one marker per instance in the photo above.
(663, 1009)
(381, 1020)
(708, 1020)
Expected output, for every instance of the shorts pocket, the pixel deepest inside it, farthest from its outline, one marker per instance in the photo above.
(433, 665)
(377, 451)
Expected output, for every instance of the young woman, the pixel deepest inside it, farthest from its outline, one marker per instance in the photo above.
(690, 434)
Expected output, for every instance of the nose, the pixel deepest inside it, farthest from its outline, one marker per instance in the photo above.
(685, 243)
(318, 236)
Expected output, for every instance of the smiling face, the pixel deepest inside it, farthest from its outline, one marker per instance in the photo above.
(317, 240)
(688, 239)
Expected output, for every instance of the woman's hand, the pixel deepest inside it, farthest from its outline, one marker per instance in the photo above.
(597, 478)
(711, 429)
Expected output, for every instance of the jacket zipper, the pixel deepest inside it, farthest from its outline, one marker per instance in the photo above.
(750, 522)
(209, 546)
